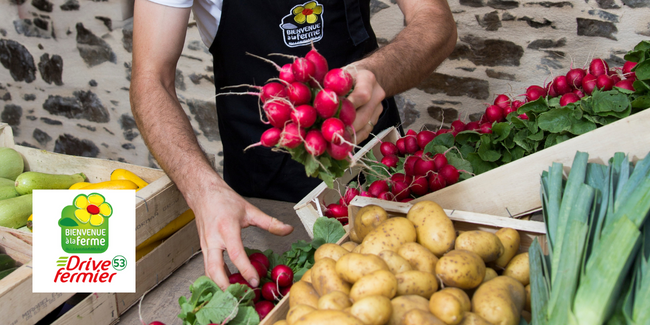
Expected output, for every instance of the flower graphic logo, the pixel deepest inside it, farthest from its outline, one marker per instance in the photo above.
(92, 207)
(307, 13)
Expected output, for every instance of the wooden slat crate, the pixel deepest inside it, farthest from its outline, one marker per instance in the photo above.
(463, 221)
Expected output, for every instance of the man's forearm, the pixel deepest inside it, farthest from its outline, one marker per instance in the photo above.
(426, 41)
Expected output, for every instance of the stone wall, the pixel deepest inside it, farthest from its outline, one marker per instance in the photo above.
(66, 66)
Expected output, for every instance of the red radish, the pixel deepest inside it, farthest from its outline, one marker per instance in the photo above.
(424, 137)
(568, 98)
(261, 258)
(561, 85)
(292, 136)
(534, 92)
(258, 295)
(627, 70)
(574, 77)
(399, 177)
(508, 110)
(298, 93)
(336, 211)
(348, 113)
(282, 275)
(270, 137)
(277, 112)
(285, 290)
(237, 278)
(303, 69)
(411, 144)
(408, 199)
(589, 84)
(320, 66)
(333, 130)
(598, 67)
(423, 166)
(365, 194)
(578, 93)
(420, 186)
(523, 116)
(388, 196)
(350, 194)
(339, 151)
(338, 80)
(411, 132)
(442, 131)
(625, 84)
(436, 182)
(604, 82)
(400, 190)
(326, 103)
(409, 164)
(485, 128)
(472, 126)
(615, 78)
(377, 187)
(502, 101)
(315, 144)
(263, 308)
(261, 269)
(304, 115)
(450, 174)
(156, 323)
(516, 104)
(286, 73)
(388, 148)
(550, 89)
(419, 153)
(458, 125)
(439, 160)
(390, 161)
(273, 90)
(494, 113)
(401, 147)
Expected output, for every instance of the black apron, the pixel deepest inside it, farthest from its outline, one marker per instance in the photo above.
(341, 32)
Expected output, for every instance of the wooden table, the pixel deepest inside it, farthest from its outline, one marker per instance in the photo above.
(161, 303)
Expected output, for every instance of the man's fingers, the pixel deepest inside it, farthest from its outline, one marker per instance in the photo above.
(262, 220)
(215, 267)
(237, 255)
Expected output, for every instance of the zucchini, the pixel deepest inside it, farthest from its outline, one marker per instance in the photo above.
(6, 272)
(11, 163)
(29, 181)
(8, 192)
(14, 212)
(6, 262)
(6, 181)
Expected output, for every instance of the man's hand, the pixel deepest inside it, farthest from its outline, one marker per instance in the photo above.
(220, 215)
(366, 97)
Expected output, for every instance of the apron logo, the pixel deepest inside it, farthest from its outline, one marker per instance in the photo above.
(303, 25)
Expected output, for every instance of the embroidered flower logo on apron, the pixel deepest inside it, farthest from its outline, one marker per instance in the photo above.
(303, 25)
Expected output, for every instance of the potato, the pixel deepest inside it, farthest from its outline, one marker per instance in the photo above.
(324, 278)
(490, 274)
(420, 317)
(527, 306)
(510, 240)
(350, 245)
(298, 311)
(389, 235)
(328, 317)
(519, 269)
(306, 276)
(416, 283)
(357, 249)
(525, 314)
(500, 301)
(403, 304)
(332, 251)
(303, 293)
(281, 322)
(372, 310)
(378, 283)
(367, 219)
(470, 318)
(435, 231)
(353, 266)
(335, 300)
(460, 269)
(419, 257)
(353, 236)
(449, 304)
(396, 263)
(486, 244)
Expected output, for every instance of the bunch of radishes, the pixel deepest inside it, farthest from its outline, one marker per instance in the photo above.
(272, 289)
(306, 105)
(570, 88)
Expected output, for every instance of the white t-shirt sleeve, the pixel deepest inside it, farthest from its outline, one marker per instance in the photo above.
(174, 3)
(206, 12)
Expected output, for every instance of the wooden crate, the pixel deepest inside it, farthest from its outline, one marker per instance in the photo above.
(18, 305)
(309, 208)
(97, 309)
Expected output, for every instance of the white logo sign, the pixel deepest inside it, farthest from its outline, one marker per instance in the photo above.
(303, 25)
(84, 241)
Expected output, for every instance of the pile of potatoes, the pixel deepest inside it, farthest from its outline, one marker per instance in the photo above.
(414, 271)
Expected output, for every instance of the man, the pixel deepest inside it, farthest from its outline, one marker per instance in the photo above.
(340, 31)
